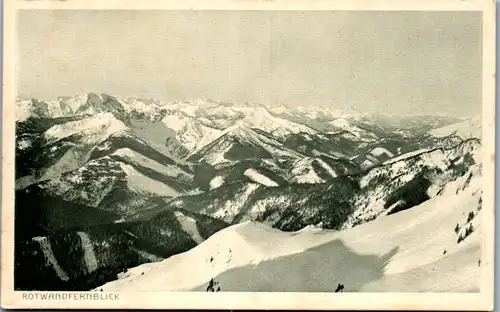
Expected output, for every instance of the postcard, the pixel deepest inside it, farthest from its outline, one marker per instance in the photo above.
(275, 155)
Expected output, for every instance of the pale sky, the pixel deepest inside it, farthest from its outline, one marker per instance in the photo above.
(398, 62)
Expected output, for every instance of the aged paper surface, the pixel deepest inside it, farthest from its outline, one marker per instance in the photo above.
(248, 155)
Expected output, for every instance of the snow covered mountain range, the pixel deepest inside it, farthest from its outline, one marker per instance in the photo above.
(112, 183)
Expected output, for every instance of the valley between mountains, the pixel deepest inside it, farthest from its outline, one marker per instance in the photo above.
(129, 194)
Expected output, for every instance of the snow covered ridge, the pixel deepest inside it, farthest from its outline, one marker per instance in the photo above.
(365, 197)
(93, 129)
(66, 146)
(241, 141)
(466, 146)
(85, 104)
(303, 171)
(201, 108)
(195, 124)
(465, 130)
(306, 197)
(423, 176)
(216, 113)
(123, 171)
(410, 251)
(26, 108)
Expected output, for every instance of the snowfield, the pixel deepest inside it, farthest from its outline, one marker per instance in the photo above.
(415, 250)
(303, 173)
(465, 130)
(230, 208)
(261, 119)
(216, 182)
(168, 170)
(379, 151)
(258, 177)
(26, 108)
(214, 153)
(327, 167)
(49, 256)
(189, 226)
(88, 252)
(140, 183)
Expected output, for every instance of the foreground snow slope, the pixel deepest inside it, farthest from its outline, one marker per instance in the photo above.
(415, 250)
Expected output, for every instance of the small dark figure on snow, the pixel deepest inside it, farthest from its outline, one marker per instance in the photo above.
(211, 286)
(444, 252)
(340, 288)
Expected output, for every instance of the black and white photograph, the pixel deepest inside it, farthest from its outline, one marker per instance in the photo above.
(250, 151)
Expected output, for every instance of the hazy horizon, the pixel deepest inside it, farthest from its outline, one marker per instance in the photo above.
(415, 63)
